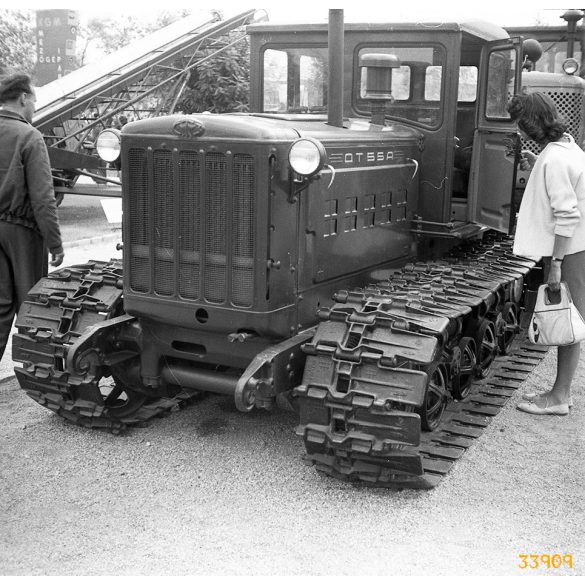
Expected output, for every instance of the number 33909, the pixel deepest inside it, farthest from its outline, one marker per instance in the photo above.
(549, 561)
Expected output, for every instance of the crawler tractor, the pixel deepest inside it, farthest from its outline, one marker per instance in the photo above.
(341, 251)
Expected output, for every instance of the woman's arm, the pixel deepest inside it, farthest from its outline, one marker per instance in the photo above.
(559, 177)
(559, 250)
(527, 160)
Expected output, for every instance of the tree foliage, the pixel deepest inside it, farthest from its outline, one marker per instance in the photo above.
(221, 82)
(17, 41)
(110, 34)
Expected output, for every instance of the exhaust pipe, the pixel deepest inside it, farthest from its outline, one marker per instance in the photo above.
(335, 84)
(571, 17)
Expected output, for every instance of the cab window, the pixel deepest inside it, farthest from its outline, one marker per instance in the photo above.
(500, 83)
(295, 80)
(417, 85)
(467, 83)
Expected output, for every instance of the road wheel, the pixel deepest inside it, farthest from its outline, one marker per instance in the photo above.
(487, 347)
(508, 328)
(462, 380)
(435, 400)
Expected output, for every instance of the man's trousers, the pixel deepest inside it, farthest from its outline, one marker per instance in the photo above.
(23, 261)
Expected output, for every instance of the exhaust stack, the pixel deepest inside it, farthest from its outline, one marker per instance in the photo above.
(335, 85)
(571, 17)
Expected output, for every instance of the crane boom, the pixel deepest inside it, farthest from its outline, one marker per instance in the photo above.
(142, 80)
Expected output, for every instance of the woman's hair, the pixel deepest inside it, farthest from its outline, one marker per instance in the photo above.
(12, 86)
(537, 116)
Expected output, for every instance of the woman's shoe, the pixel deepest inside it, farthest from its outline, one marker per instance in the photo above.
(530, 396)
(533, 408)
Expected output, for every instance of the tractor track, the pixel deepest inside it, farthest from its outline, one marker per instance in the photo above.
(58, 310)
(416, 351)
(462, 423)
(386, 339)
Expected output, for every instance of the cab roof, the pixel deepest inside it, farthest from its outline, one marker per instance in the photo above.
(478, 28)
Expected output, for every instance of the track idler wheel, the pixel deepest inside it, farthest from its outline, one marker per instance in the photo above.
(120, 399)
(466, 368)
(115, 393)
(435, 400)
(487, 347)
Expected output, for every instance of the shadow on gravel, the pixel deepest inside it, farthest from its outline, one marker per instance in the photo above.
(212, 426)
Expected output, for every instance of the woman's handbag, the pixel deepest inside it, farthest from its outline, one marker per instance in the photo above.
(556, 320)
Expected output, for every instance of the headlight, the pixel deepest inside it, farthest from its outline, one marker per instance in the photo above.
(307, 156)
(570, 66)
(108, 144)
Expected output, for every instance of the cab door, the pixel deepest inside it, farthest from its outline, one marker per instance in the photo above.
(495, 143)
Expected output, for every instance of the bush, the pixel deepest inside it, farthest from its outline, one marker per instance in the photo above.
(17, 42)
(221, 82)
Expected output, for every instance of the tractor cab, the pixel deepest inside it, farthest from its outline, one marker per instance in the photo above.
(450, 82)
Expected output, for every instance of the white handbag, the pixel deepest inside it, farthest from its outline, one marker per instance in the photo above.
(556, 320)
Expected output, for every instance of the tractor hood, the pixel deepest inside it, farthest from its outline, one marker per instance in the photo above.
(241, 127)
(265, 128)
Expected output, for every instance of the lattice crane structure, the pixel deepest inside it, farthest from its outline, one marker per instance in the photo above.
(143, 80)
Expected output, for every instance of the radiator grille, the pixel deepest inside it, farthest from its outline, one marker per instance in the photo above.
(191, 225)
(163, 220)
(571, 107)
(215, 245)
(243, 233)
(190, 216)
(138, 233)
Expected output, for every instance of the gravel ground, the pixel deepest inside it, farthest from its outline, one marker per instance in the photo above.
(81, 216)
(211, 491)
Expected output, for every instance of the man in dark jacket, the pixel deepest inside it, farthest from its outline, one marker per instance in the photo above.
(28, 211)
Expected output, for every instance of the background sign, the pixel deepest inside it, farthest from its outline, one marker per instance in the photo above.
(56, 40)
